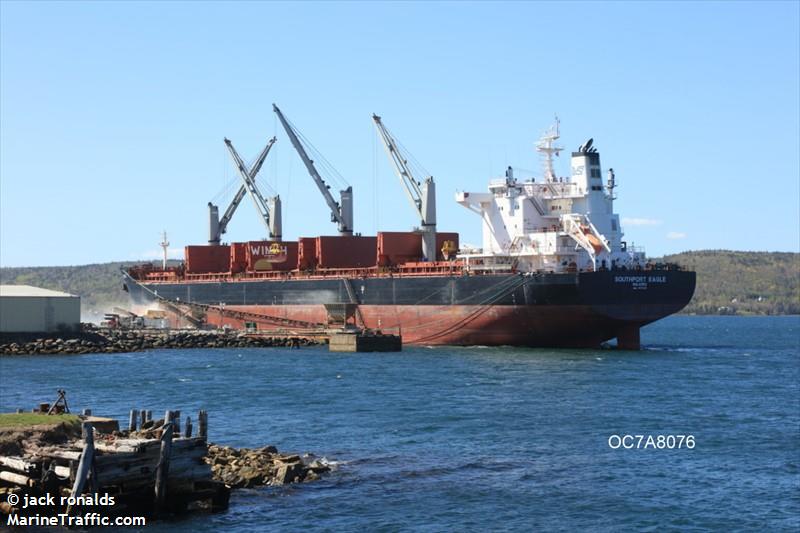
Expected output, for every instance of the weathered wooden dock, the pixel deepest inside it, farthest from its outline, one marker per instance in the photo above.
(151, 469)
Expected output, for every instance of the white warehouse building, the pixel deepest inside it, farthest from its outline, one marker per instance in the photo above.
(30, 309)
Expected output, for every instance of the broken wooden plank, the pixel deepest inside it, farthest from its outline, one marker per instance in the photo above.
(17, 479)
(19, 464)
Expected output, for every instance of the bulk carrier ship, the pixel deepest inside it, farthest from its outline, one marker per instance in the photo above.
(553, 269)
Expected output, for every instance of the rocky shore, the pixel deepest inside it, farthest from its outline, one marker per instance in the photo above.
(117, 341)
(252, 467)
(248, 467)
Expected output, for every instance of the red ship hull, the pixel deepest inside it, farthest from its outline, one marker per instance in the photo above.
(466, 325)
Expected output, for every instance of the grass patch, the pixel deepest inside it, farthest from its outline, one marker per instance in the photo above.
(26, 420)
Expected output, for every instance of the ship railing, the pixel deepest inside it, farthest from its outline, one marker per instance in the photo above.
(162, 276)
(149, 272)
(442, 268)
(566, 250)
(208, 276)
(490, 270)
(540, 250)
(553, 228)
(477, 268)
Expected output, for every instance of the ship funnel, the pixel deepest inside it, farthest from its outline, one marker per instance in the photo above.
(588, 176)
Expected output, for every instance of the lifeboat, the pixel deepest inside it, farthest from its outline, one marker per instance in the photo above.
(592, 238)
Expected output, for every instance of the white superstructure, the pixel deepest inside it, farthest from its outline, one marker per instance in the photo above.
(556, 224)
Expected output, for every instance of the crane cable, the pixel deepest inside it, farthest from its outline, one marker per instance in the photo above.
(419, 171)
(329, 171)
(227, 189)
(374, 183)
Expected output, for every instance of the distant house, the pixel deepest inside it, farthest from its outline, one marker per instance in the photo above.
(30, 309)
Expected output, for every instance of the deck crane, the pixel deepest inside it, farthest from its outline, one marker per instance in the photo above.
(269, 209)
(341, 212)
(422, 195)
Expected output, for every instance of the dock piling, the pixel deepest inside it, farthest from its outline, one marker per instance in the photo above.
(85, 464)
(134, 417)
(162, 470)
(202, 424)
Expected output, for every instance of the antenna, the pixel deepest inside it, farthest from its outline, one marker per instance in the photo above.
(547, 148)
(165, 245)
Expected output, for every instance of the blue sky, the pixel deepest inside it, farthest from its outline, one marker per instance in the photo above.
(112, 115)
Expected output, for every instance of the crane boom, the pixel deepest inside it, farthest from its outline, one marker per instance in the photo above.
(226, 218)
(269, 211)
(218, 226)
(410, 185)
(422, 196)
(341, 213)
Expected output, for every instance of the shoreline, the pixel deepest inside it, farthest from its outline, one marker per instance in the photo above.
(100, 340)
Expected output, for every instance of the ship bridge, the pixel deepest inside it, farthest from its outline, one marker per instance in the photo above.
(556, 223)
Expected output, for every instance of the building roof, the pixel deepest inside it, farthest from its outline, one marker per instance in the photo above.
(28, 291)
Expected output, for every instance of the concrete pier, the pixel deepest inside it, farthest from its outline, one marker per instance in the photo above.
(360, 341)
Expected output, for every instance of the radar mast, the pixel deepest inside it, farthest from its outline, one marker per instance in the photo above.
(547, 148)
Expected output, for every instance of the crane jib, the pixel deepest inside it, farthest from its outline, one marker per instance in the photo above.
(341, 213)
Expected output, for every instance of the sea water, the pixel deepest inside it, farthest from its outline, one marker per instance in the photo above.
(483, 439)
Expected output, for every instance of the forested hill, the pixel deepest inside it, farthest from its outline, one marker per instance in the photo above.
(98, 285)
(727, 282)
(763, 283)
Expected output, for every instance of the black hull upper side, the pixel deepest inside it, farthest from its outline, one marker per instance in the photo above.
(631, 296)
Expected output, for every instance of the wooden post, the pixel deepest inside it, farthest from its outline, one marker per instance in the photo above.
(176, 420)
(142, 418)
(94, 484)
(162, 472)
(133, 419)
(202, 424)
(87, 458)
(167, 418)
(87, 412)
(187, 432)
(20, 411)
